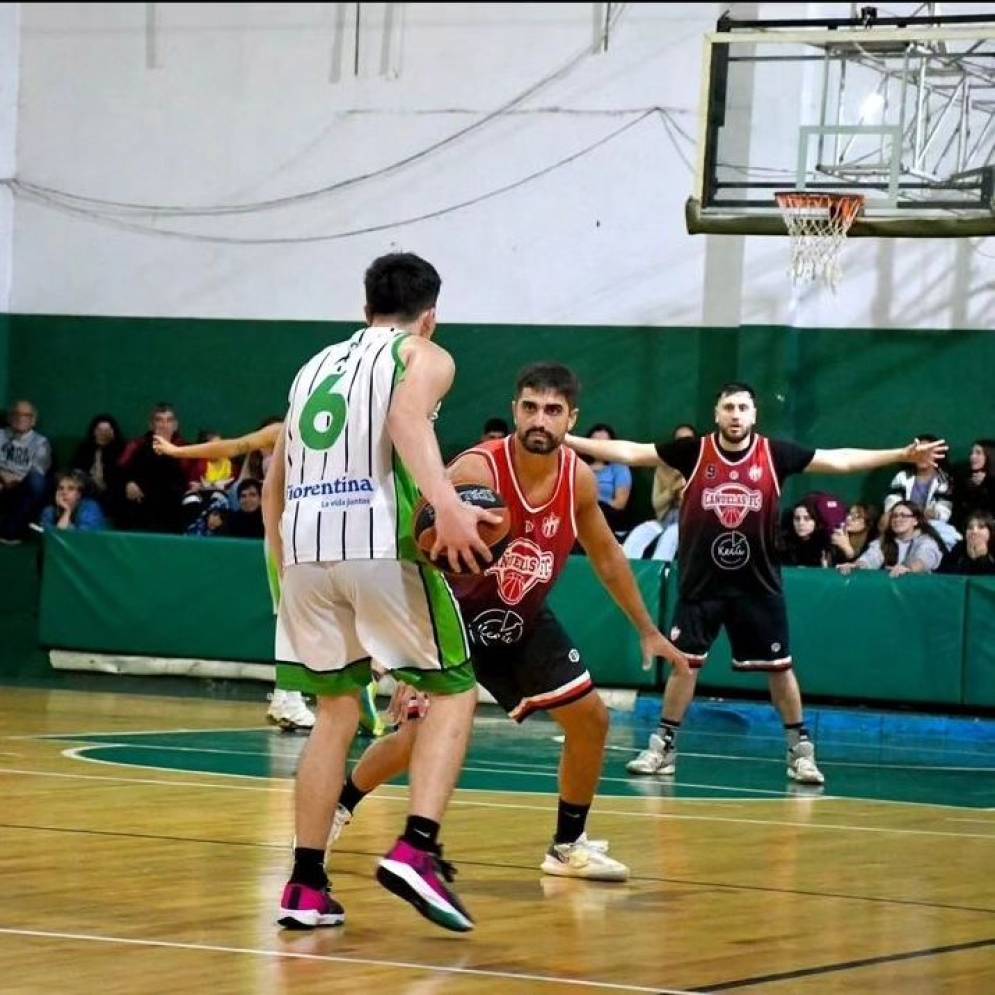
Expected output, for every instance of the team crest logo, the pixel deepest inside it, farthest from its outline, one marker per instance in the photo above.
(550, 526)
(522, 566)
(756, 472)
(675, 634)
(731, 502)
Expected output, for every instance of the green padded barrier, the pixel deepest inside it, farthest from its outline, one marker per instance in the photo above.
(178, 596)
(863, 637)
(979, 651)
(605, 637)
(20, 657)
(155, 595)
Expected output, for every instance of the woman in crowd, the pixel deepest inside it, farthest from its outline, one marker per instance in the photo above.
(975, 487)
(974, 554)
(806, 542)
(97, 456)
(909, 545)
(855, 534)
(71, 510)
(614, 481)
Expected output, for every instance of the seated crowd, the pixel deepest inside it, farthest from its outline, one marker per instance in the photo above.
(932, 518)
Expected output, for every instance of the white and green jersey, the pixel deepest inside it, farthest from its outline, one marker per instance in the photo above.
(348, 497)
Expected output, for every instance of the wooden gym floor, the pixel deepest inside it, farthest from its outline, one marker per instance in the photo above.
(144, 843)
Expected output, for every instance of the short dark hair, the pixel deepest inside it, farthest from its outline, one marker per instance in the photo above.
(248, 484)
(162, 407)
(496, 425)
(550, 376)
(736, 387)
(602, 427)
(401, 284)
(683, 425)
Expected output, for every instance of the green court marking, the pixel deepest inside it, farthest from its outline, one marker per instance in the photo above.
(508, 757)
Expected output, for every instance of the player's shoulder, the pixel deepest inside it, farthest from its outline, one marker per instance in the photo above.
(474, 466)
(585, 483)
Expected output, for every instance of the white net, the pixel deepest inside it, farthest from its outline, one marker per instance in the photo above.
(817, 225)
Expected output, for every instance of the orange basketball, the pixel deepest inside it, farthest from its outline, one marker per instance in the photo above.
(480, 496)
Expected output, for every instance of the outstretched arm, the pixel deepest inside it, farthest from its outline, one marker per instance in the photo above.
(615, 574)
(855, 460)
(263, 438)
(616, 451)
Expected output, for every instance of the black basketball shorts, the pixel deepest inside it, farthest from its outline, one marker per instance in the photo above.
(541, 670)
(757, 625)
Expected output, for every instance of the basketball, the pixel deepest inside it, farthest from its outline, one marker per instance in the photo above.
(495, 536)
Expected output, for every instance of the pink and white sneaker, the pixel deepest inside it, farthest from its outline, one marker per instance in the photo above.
(420, 878)
(302, 907)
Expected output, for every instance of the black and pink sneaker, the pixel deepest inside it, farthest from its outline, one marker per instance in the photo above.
(420, 878)
(304, 908)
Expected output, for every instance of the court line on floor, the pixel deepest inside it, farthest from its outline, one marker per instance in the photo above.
(341, 959)
(808, 972)
(530, 868)
(142, 732)
(631, 814)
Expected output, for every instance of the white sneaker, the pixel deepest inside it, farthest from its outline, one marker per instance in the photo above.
(801, 764)
(289, 711)
(341, 819)
(656, 759)
(583, 859)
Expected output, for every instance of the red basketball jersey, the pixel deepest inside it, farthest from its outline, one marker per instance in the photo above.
(728, 523)
(498, 607)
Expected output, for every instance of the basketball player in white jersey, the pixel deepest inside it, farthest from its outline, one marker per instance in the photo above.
(357, 447)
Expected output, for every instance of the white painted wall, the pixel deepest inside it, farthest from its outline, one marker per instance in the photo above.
(9, 44)
(212, 104)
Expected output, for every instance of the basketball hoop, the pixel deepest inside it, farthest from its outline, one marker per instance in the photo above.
(817, 225)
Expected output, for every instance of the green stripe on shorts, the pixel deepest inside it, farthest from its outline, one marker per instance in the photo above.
(450, 681)
(447, 623)
(272, 576)
(348, 680)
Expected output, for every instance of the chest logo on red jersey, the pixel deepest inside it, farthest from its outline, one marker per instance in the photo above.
(756, 472)
(731, 502)
(550, 525)
(522, 566)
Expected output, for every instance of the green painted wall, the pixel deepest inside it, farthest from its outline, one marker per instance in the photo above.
(827, 387)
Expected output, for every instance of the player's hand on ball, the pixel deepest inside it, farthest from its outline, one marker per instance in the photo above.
(457, 536)
(404, 702)
(918, 452)
(655, 644)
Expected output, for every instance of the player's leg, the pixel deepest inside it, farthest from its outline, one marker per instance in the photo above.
(317, 641)
(696, 625)
(408, 619)
(758, 632)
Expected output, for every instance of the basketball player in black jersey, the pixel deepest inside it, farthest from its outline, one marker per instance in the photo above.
(730, 575)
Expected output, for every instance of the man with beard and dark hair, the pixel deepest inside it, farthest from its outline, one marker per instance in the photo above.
(520, 652)
(729, 567)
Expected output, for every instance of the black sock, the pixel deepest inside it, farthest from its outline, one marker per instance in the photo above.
(309, 868)
(570, 822)
(421, 833)
(796, 732)
(351, 795)
(667, 731)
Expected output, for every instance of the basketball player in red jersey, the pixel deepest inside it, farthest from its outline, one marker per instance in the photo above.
(729, 570)
(520, 652)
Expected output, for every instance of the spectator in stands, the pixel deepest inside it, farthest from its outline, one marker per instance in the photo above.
(668, 484)
(806, 542)
(614, 481)
(153, 488)
(213, 520)
(908, 545)
(494, 428)
(974, 489)
(97, 459)
(854, 535)
(974, 554)
(256, 463)
(211, 474)
(928, 487)
(247, 522)
(72, 510)
(25, 462)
